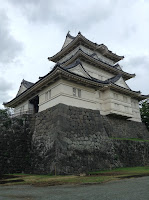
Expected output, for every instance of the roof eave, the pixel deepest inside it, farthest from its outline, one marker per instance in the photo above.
(94, 46)
(135, 94)
(38, 86)
(125, 75)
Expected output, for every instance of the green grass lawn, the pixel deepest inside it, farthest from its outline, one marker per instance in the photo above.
(90, 178)
(124, 171)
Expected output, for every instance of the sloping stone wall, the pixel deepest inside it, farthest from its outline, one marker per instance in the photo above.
(73, 140)
(15, 145)
(68, 140)
(121, 128)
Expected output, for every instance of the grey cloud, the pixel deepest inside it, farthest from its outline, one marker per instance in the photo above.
(10, 48)
(140, 66)
(67, 13)
(4, 89)
(137, 63)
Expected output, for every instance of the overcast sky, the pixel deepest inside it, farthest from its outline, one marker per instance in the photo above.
(32, 30)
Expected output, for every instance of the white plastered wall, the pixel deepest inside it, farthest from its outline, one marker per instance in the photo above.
(21, 89)
(108, 102)
(69, 55)
(122, 83)
(78, 70)
(67, 41)
(99, 55)
(62, 92)
(135, 110)
(97, 72)
(117, 103)
(23, 107)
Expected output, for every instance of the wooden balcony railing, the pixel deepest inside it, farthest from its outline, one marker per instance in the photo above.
(23, 112)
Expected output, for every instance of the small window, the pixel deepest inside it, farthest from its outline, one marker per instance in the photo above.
(74, 91)
(22, 109)
(47, 95)
(79, 93)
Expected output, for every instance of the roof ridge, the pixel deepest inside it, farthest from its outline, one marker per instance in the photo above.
(114, 78)
(113, 66)
(70, 36)
(115, 56)
(59, 66)
(91, 55)
(25, 81)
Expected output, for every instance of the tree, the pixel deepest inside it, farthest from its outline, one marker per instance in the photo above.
(3, 113)
(144, 110)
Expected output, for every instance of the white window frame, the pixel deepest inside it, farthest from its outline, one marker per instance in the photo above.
(47, 95)
(79, 93)
(76, 92)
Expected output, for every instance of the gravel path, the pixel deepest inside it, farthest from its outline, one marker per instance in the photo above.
(128, 189)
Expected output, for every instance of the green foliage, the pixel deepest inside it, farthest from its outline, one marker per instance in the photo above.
(5, 119)
(3, 113)
(144, 110)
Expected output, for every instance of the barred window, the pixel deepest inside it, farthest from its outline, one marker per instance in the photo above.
(47, 95)
(77, 92)
(74, 91)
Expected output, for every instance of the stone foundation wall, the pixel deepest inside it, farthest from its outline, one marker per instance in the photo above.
(73, 140)
(121, 128)
(15, 145)
(68, 140)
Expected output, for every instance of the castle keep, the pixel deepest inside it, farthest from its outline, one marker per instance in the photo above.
(86, 75)
(81, 110)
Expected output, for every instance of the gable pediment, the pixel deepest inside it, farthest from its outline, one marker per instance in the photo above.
(21, 89)
(24, 86)
(79, 70)
(67, 41)
(122, 83)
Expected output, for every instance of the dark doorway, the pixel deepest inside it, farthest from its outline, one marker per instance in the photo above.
(35, 102)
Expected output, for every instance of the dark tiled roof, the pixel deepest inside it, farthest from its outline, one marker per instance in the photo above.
(91, 55)
(115, 57)
(70, 36)
(74, 64)
(113, 79)
(27, 84)
(110, 80)
(97, 59)
(106, 82)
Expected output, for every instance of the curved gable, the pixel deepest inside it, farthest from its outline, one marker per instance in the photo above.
(122, 83)
(79, 70)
